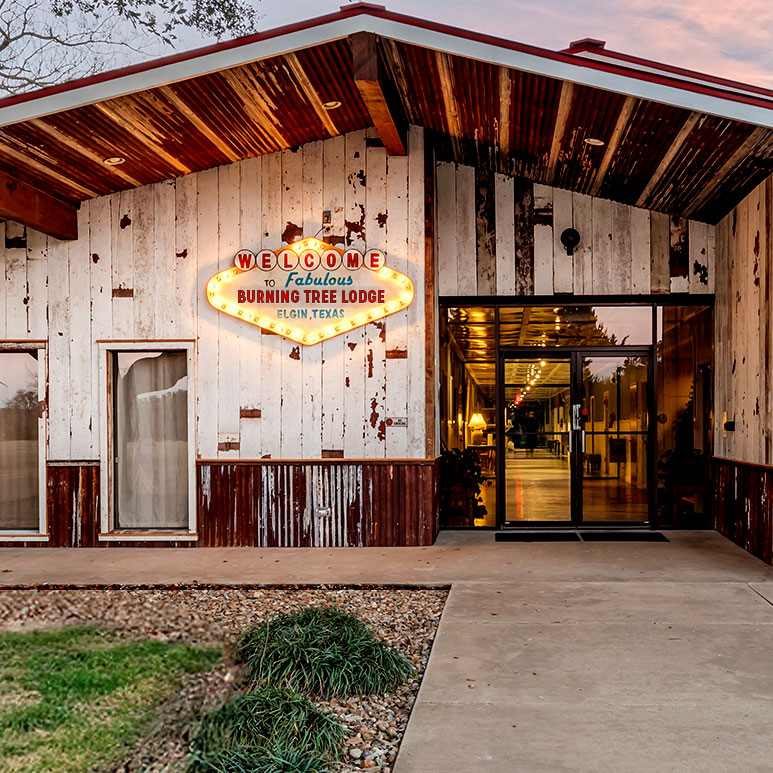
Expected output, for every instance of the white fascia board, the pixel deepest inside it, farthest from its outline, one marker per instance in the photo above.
(653, 70)
(399, 31)
(177, 71)
(575, 73)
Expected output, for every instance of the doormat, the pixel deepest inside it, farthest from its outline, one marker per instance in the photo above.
(537, 536)
(623, 536)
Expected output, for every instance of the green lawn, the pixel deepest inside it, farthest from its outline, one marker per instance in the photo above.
(77, 699)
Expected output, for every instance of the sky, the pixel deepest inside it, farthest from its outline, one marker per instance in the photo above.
(729, 38)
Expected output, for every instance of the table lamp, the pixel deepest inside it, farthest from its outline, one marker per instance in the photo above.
(477, 424)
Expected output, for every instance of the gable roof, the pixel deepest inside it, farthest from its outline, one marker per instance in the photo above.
(675, 141)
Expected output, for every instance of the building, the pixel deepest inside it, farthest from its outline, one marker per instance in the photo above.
(253, 291)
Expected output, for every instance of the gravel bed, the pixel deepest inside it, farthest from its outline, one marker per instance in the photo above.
(404, 618)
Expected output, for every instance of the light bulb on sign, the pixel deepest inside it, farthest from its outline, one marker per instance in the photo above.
(312, 283)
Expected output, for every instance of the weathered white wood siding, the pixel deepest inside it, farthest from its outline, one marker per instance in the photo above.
(743, 331)
(139, 269)
(623, 250)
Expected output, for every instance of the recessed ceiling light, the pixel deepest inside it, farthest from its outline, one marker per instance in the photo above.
(331, 105)
(115, 160)
(593, 141)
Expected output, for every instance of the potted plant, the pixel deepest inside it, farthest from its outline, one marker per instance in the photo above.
(460, 480)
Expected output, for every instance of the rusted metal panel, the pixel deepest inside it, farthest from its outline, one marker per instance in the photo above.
(743, 505)
(73, 505)
(270, 504)
(593, 115)
(707, 146)
(651, 130)
(317, 504)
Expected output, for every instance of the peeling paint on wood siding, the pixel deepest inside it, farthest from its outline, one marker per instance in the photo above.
(485, 230)
(743, 333)
(523, 221)
(623, 250)
(139, 269)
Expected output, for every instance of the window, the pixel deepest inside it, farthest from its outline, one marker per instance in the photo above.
(22, 442)
(150, 441)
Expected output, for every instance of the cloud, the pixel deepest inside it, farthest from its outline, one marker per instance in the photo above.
(719, 37)
(727, 38)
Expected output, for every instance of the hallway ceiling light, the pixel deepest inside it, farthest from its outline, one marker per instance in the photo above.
(593, 142)
(331, 105)
(114, 160)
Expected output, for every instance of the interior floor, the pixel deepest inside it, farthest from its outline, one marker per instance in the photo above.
(538, 488)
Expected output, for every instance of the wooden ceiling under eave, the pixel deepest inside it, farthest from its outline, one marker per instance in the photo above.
(656, 156)
(187, 126)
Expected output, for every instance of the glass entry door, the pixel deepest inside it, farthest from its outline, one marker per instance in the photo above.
(614, 471)
(574, 429)
(537, 455)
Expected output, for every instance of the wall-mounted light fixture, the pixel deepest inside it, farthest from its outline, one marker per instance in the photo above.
(570, 238)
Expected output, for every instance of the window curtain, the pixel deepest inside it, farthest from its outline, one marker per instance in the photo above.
(151, 440)
(19, 472)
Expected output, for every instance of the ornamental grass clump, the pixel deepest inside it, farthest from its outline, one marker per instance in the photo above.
(276, 760)
(270, 730)
(323, 652)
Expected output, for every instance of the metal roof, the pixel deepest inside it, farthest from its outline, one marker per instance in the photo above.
(675, 141)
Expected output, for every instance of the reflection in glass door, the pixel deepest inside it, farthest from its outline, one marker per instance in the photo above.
(614, 474)
(537, 454)
(575, 432)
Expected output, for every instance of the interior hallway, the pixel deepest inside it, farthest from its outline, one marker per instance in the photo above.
(538, 488)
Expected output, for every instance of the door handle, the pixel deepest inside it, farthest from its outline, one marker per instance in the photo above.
(576, 416)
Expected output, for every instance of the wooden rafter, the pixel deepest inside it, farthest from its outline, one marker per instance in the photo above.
(84, 152)
(614, 143)
(505, 98)
(36, 209)
(41, 170)
(258, 106)
(311, 94)
(669, 156)
(142, 131)
(190, 114)
(559, 129)
(378, 93)
(743, 150)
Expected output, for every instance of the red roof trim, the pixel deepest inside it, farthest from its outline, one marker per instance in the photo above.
(183, 56)
(357, 9)
(673, 69)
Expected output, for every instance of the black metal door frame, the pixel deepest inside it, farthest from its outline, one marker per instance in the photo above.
(574, 355)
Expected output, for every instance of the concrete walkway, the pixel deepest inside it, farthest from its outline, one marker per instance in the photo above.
(549, 656)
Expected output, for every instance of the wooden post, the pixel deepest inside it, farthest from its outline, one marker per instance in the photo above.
(378, 93)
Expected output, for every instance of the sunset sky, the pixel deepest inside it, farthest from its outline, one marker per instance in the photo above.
(731, 38)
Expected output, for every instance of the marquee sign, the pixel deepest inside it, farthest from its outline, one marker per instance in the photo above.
(310, 291)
